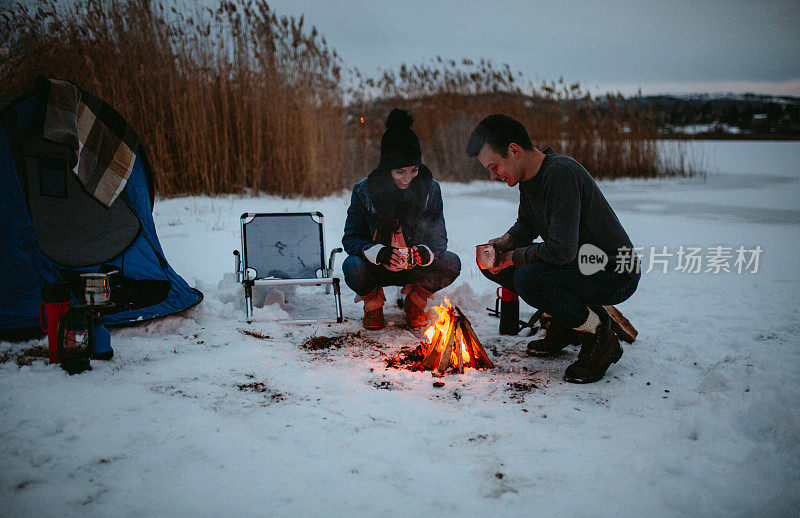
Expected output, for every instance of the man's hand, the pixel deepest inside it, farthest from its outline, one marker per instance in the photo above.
(421, 255)
(503, 243)
(504, 260)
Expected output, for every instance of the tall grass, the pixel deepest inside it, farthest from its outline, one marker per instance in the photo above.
(607, 134)
(238, 98)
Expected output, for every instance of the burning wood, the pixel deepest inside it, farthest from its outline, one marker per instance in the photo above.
(452, 342)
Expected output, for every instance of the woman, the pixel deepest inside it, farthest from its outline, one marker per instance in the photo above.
(395, 233)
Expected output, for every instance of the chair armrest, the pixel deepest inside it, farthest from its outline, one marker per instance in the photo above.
(331, 260)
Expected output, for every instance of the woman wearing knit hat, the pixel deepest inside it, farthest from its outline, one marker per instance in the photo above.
(395, 233)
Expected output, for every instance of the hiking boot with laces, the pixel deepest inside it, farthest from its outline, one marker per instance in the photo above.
(416, 316)
(597, 354)
(373, 309)
(415, 306)
(373, 320)
(557, 336)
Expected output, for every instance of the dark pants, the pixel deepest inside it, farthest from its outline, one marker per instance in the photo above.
(563, 291)
(362, 276)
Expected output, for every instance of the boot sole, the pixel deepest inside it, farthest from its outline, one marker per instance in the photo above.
(544, 353)
(374, 328)
(593, 379)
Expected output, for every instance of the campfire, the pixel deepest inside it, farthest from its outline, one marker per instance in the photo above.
(452, 343)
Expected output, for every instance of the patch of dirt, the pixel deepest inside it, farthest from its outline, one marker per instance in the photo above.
(172, 390)
(255, 386)
(384, 385)
(407, 359)
(518, 389)
(318, 343)
(254, 334)
(483, 438)
(25, 356)
(517, 386)
(260, 388)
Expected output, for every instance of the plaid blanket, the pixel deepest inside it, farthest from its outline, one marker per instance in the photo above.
(104, 144)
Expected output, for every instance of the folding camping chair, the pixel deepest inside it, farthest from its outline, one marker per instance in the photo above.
(284, 249)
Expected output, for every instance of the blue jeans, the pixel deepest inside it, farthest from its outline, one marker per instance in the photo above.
(362, 276)
(563, 291)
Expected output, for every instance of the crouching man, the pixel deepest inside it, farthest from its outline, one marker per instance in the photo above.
(560, 202)
(395, 232)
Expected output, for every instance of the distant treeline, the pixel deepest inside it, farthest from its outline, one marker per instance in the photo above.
(237, 98)
(751, 115)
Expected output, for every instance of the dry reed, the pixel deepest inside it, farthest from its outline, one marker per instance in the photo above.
(239, 99)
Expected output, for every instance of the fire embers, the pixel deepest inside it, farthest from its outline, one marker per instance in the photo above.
(452, 344)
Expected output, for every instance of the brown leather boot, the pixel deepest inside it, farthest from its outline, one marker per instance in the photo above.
(415, 305)
(373, 309)
(597, 354)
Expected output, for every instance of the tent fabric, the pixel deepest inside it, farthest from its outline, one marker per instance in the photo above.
(42, 243)
(96, 233)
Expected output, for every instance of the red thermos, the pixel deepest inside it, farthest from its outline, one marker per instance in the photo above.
(509, 311)
(55, 302)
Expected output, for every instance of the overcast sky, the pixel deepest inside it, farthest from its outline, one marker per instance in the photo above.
(668, 46)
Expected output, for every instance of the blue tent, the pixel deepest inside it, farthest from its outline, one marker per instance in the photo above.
(53, 229)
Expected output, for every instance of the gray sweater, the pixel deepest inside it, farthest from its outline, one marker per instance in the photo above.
(564, 206)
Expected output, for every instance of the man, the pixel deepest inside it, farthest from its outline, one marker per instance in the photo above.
(560, 202)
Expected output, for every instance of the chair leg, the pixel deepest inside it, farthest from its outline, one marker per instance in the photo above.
(329, 273)
(248, 301)
(337, 294)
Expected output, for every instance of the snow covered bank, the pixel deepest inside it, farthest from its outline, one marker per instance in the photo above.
(196, 416)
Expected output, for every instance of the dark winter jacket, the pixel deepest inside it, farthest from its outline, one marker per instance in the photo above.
(428, 229)
(563, 204)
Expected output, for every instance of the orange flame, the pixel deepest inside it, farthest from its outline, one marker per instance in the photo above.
(438, 334)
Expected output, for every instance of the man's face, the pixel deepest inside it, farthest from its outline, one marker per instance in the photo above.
(508, 168)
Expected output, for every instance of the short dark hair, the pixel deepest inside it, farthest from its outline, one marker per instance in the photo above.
(499, 131)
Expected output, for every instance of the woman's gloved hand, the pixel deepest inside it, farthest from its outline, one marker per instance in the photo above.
(422, 255)
(384, 256)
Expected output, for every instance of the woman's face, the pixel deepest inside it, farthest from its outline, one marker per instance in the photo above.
(402, 177)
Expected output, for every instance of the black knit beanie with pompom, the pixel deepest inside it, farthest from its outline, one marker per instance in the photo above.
(399, 145)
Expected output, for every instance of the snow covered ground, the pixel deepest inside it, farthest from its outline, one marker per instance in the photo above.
(194, 417)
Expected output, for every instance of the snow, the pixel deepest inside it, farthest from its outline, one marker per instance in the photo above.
(709, 127)
(195, 417)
